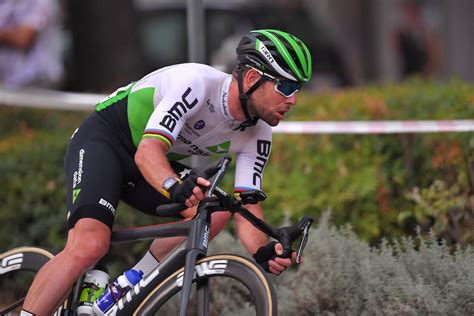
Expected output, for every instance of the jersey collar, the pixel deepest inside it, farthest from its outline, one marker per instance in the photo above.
(225, 98)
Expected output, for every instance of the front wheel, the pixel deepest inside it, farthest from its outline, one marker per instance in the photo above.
(17, 270)
(237, 286)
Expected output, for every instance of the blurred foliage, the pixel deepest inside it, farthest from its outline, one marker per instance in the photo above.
(382, 185)
(32, 199)
(342, 275)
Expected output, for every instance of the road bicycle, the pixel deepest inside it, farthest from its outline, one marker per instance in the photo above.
(188, 263)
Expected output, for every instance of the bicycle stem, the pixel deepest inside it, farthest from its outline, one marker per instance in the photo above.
(233, 205)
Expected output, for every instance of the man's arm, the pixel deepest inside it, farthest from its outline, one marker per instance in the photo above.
(253, 239)
(153, 164)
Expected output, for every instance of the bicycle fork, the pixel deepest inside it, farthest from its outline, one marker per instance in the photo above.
(202, 287)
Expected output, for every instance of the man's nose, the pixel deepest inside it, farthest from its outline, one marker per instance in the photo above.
(291, 99)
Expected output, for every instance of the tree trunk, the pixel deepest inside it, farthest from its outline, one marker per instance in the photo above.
(105, 41)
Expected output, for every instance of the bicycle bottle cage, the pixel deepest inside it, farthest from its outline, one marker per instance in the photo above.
(251, 196)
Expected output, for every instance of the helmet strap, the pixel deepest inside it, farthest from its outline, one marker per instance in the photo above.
(244, 97)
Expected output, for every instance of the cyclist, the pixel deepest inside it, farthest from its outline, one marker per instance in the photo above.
(127, 150)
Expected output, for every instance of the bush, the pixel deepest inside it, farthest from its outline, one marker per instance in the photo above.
(32, 208)
(342, 275)
(348, 277)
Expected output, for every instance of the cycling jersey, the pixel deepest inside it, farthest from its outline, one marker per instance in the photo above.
(185, 106)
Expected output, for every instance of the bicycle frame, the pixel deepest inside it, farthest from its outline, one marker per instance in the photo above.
(197, 232)
(140, 300)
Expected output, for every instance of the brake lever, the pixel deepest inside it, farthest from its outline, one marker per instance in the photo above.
(289, 234)
(305, 225)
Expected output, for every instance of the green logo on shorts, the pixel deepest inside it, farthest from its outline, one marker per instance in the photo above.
(75, 193)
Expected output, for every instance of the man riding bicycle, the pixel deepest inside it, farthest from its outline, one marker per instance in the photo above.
(129, 147)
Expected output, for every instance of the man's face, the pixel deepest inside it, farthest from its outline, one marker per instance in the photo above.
(270, 105)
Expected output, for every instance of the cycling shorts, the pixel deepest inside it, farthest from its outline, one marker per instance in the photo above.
(100, 171)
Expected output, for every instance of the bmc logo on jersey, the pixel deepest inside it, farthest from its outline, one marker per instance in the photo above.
(263, 151)
(177, 111)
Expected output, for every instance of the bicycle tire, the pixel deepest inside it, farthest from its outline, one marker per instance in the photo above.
(17, 270)
(239, 268)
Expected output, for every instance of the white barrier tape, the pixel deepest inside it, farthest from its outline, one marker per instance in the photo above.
(374, 127)
(48, 99)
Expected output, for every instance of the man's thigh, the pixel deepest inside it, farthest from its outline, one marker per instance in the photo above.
(140, 195)
(94, 180)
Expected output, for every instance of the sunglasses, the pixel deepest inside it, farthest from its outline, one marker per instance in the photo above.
(285, 87)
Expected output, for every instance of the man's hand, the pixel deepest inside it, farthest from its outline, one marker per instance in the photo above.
(267, 257)
(278, 265)
(190, 191)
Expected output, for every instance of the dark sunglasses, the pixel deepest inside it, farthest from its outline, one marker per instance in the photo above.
(285, 87)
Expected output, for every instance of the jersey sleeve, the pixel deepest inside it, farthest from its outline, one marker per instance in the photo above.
(251, 161)
(177, 100)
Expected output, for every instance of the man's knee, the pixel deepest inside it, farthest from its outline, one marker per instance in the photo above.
(219, 220)
(88, 241)
(189, 213)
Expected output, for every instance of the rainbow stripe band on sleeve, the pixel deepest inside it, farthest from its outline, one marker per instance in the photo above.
(238, 190)
(164, 136)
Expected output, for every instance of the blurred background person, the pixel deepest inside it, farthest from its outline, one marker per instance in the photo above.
(29, 44)
(416, 43)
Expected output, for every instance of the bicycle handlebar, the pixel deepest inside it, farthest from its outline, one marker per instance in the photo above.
(172, 209)
(219, 200)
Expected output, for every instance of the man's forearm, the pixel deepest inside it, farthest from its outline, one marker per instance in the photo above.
(251, 237)
(152, 161)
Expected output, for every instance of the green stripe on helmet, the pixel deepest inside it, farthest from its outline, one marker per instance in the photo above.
(262, 49)
(296, 44)
(302, 52)
(283, 51)
(257, 44)
(309, 70)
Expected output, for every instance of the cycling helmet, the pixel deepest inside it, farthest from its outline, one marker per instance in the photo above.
(277, 53)
(274, 53)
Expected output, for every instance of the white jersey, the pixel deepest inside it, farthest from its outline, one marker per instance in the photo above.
(186, 107)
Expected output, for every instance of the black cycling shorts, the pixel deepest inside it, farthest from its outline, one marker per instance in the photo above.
(100, 171)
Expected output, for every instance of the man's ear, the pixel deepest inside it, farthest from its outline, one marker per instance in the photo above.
(251, 77)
